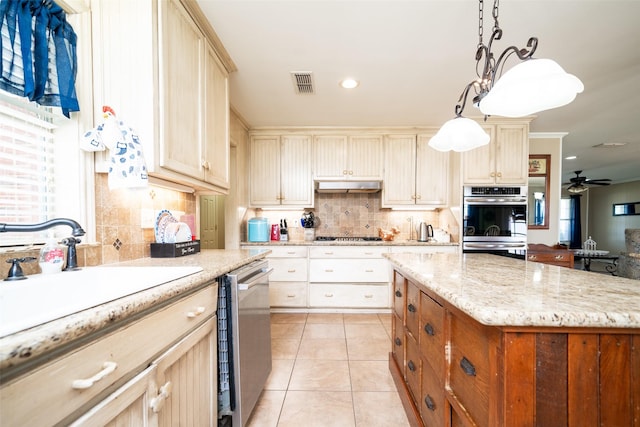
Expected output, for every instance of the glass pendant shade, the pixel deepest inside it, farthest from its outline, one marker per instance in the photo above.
(459, 134)
(529, 87)
(577, 189)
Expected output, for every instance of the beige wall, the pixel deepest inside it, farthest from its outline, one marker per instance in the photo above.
(608, 230)
(549, 143)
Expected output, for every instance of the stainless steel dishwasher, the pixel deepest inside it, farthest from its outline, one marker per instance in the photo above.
(244, 341)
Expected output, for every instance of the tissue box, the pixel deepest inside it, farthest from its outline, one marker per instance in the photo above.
(174, 250)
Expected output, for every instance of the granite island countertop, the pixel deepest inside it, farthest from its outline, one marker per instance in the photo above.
(26, 345)
(501, 291)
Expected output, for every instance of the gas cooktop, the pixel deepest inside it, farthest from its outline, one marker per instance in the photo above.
(347, 239)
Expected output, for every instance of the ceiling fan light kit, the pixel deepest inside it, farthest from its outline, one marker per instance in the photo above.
(579, 184)
(529, 87)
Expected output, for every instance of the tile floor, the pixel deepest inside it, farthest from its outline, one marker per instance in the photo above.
(330, 370)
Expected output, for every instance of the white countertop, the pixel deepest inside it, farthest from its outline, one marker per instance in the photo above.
(81, 320)
(503, 291)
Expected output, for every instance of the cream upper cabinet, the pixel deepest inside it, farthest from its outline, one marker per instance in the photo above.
(159, 70)
(503, 160)
(347, 157)
(414, 173)
(280, 171)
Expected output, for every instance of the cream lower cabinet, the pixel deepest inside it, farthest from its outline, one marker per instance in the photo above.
(348, 277)
(357, 157)
(280, 171)
(161, 70)
(414, 173)
(503, 161)
(288, 283)
(123, 376)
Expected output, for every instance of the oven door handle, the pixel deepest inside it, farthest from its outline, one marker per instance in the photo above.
(495, 245)
(495, 201)
(254, 280)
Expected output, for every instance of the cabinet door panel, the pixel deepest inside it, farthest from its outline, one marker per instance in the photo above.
(264, 171)
(288, 294)
(479, 164)
(397, 344)
(399, 170)
(216, 122)
(348, 296)
(432, 173)
(412, 320)
(329, 157)
(432, 339)
(288, 269)
(399, 294)
(365, 157)
(512, 153)
(348, 271)
(182, 47)
(295, 171)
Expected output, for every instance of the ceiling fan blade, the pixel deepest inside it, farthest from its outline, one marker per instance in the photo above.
(597, 180)
(597, 183)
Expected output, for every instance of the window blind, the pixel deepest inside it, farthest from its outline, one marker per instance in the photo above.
(27, 184)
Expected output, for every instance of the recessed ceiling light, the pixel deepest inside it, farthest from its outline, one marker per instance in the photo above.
(571, 157)
(349, 83)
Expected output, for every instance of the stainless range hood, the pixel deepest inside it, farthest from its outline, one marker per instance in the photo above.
(348, 186)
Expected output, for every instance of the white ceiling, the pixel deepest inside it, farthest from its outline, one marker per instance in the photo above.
(413, 59)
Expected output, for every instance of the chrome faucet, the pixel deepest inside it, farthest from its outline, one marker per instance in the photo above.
(72, 260)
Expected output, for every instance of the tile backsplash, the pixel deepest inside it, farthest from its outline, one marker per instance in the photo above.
(356, 215)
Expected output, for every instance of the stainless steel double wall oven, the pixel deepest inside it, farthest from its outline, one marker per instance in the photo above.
(495, 219)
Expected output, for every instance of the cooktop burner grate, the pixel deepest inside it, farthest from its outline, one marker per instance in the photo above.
(348, 239)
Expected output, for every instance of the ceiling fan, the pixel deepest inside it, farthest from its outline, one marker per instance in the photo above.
(578, 183)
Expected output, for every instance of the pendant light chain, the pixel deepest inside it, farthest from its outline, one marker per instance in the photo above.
(496, 26)
(480, 22)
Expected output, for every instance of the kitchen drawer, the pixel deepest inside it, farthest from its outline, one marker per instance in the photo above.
(348, 270)
(469, 370)
(432, 334)
(50, 388)
(413, 367)
(397, 342)
(288, 294)
(432, 401)
(288, 252)
(562, 258)
(348, 296)
(347, 251)
(412, 319)
(288, 269)
(399, 294)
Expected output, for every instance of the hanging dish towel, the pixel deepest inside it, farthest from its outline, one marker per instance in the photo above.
(127, 168)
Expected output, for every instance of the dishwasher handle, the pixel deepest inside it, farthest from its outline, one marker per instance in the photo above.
(254, 280)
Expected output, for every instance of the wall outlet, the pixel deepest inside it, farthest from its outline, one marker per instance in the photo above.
(148, 218)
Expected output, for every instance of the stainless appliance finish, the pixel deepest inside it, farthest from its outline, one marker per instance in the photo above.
(250, 340)
(425, 232)
(495, 219)
(348, 186)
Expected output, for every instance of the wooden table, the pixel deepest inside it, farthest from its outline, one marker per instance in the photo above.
(587, 257)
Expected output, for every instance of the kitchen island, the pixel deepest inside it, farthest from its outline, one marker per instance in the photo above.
(124, 355)
(482, 340)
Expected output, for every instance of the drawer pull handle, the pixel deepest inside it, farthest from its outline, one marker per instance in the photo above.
(328, 271)
(411, 366)
(368, 253)
(107, 368)
(467, 367)
(532, 257)
(293, 270)
(368, 296)
(291, 253)
(158, 402)
(195, 313)
(328, 253)
(430, 403)
(291, 295)
(398, 341)
(429, 329)
(411, 308)
(399, 294)
(369, 270)
(559, 257)
(328, 295)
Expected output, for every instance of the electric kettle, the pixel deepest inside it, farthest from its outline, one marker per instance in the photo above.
(425, 232)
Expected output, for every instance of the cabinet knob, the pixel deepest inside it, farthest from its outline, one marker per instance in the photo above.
(492, 174)
(195, 313)
(411, 308)
(205, 165)
(107, 368)
(430, 403)
(399, 294)
(418, 197)
(467, 367)
(429, 329)
(398, 341)
(499, 174)
(411, 366)
(345, 172)
(157, 402)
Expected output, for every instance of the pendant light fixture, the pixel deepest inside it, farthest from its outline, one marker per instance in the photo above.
(529, 87)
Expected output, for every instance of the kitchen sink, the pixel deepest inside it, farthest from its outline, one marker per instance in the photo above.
(45, 297)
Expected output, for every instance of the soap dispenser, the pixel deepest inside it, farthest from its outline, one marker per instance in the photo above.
(51, 257)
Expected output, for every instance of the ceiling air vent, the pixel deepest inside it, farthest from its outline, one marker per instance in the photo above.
(303, 82)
